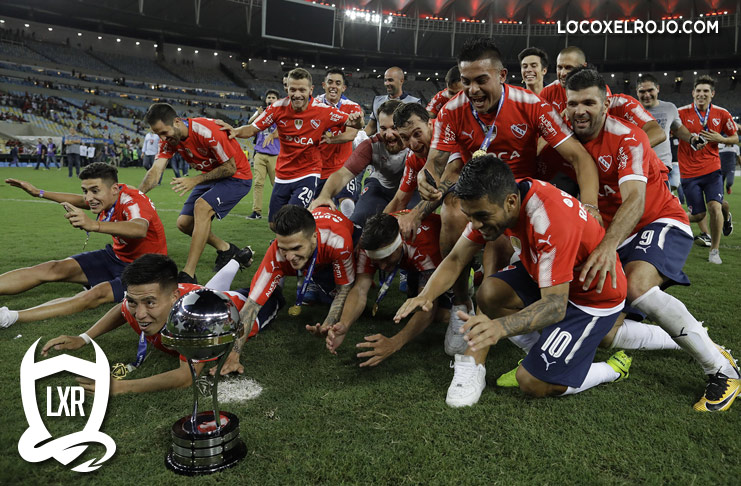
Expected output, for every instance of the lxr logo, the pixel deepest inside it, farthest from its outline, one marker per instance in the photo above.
(68, 448)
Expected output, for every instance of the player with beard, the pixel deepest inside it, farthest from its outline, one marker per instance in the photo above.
(453, 86)
(533, 68)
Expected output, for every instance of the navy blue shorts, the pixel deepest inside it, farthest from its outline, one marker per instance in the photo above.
(374, 198)
(664, 246)
(300, 193)
(350, 191)
(103, 266)
(221, 195)
(698, 190)
(565, 350)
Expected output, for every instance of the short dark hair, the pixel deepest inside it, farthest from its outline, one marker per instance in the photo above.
(648, 78)
(480, 48)
(163, 112)
(272, 91)
(336, 70)
(452, 76)
(388, 107)
(704, 79)
(379, 230)
(485, 176)
(300, 73)
(292, 218)
(151, 268)
(404, 112)
(574, 50)
(534, 51)
(583, 78)
(100, 170)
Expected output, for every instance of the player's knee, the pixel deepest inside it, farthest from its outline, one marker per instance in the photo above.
(53, 270)
(202, 209)
(185, 224)
(98, 295)
(531, 386)
(487, 297)
(714, 208)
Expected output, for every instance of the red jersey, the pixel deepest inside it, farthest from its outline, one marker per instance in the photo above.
(300, 134)
(422, 255)
(334, 155)
(438, 101)
(334, 247)
(623, 153)
(522, 118)
(630, 109)
(696, 163)
(555, 94)
(132, 204)
(207, 147)
(412, 165)
(183, 288)
(556, 235)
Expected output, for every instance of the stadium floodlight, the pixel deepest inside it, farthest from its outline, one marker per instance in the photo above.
(216, 53)
(2, 21)
(138, 43)
(26, 25)
(50, 29)
(180, 49)
(155, 46)
(79, 34)
(195, 52)
(100, 37)
(118, 40)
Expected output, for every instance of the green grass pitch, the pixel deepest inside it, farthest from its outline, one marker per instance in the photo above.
(322, 420)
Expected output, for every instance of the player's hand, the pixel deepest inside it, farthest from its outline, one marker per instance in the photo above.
(408, 224)
(412, 305)
(327, 137)
(600, 262)
(225, 127)
(480, 331)
(427, 191)
(595, 214)
(115, 388)
(269, 139)
(318, 330)
(78, 218)
(322, 201)
(711, 136)
(379, 348)
(355, 120)
(183, 185)
(231, 365)
(26, 186)
(335, 335)
(62, 343)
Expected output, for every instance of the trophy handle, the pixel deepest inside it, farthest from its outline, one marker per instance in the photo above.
(193, 421)
(214, 388)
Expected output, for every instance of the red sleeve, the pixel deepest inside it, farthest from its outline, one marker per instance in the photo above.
(267, 276)
(364, 264)
(632, 157)
(473, 235)
(550, 124)
(266, 118)
(343, 265)
(411, 169)
(444, 130)
(165, 150)
(221, 147)
(729, 126)
(137, 206)
(334, 118)
(361, 157)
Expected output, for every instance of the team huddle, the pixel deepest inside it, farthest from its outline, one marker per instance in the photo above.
(563, 193)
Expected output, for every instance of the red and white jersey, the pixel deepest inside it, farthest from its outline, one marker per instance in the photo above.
(334, 155)
(412, 165)
(622, 153)
(183, 288)
(630, 109)
(522, 118)
(300, 134)
(133, 204)
(696, 163)
(334, 247)
(556, 236)
(207, 147)
(422, 255)
(555, 94)
(438, 101)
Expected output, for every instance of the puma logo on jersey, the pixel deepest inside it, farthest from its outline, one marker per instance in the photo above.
(547, 240)
(632, 137)
(547, 363)
(468, 134)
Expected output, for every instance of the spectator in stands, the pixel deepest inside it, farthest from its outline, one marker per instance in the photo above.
(266, 154)
(149, 149)
(41, 155)
(72, 149)
(51, 155)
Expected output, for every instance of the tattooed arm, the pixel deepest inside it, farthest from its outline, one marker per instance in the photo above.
(482, 332)
(247, 316)
(335, 311)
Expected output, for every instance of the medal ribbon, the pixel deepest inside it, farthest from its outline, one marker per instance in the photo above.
(141, 351)
(105, 219)
(307, 278)
(703, 121)
(489, 134)
(386, 285)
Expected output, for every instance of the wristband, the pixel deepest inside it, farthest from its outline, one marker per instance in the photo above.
(85, 338)
(591, 206)
(41, 193)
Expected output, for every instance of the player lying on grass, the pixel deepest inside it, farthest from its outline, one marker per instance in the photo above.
(382, 248)
(304, 242)
(120, 211)
(152, 290)
(555, 235)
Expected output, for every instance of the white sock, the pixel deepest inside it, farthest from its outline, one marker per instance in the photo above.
(454, 311)
(347, 206)
(637, 335)
(598, 373)
(7, 317)
(222, 281)
(525, 341)
(685, 330)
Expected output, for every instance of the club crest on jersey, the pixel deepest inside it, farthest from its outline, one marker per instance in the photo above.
(716, 121)
(298, 124)
(605, 161)
(518, 130)
(202, 151)
(315, 123)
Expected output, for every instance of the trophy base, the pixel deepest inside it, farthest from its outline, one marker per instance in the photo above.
(205, 450)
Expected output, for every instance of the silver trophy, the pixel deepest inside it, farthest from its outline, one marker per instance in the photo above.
(202, 326)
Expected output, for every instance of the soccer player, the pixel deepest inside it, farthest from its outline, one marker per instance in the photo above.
(555, 234)
(304, 242)
(383, 248)
(533, 67)
(337, 143)
(393, 79)
(699, 165)
(453, 86)
(266, 155)
(649, 230)
(120, 211)
(152, 289)
(385, 152)
(224, 180)
(301, 122)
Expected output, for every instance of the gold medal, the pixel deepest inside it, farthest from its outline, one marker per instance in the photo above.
(479, 153)
(375, 309)
(119, 371)
(294, 310)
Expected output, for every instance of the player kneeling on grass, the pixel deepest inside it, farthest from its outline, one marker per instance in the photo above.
(304, 241)
(382, 248)
(152, 290)
(555, 235)
(120, 211)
